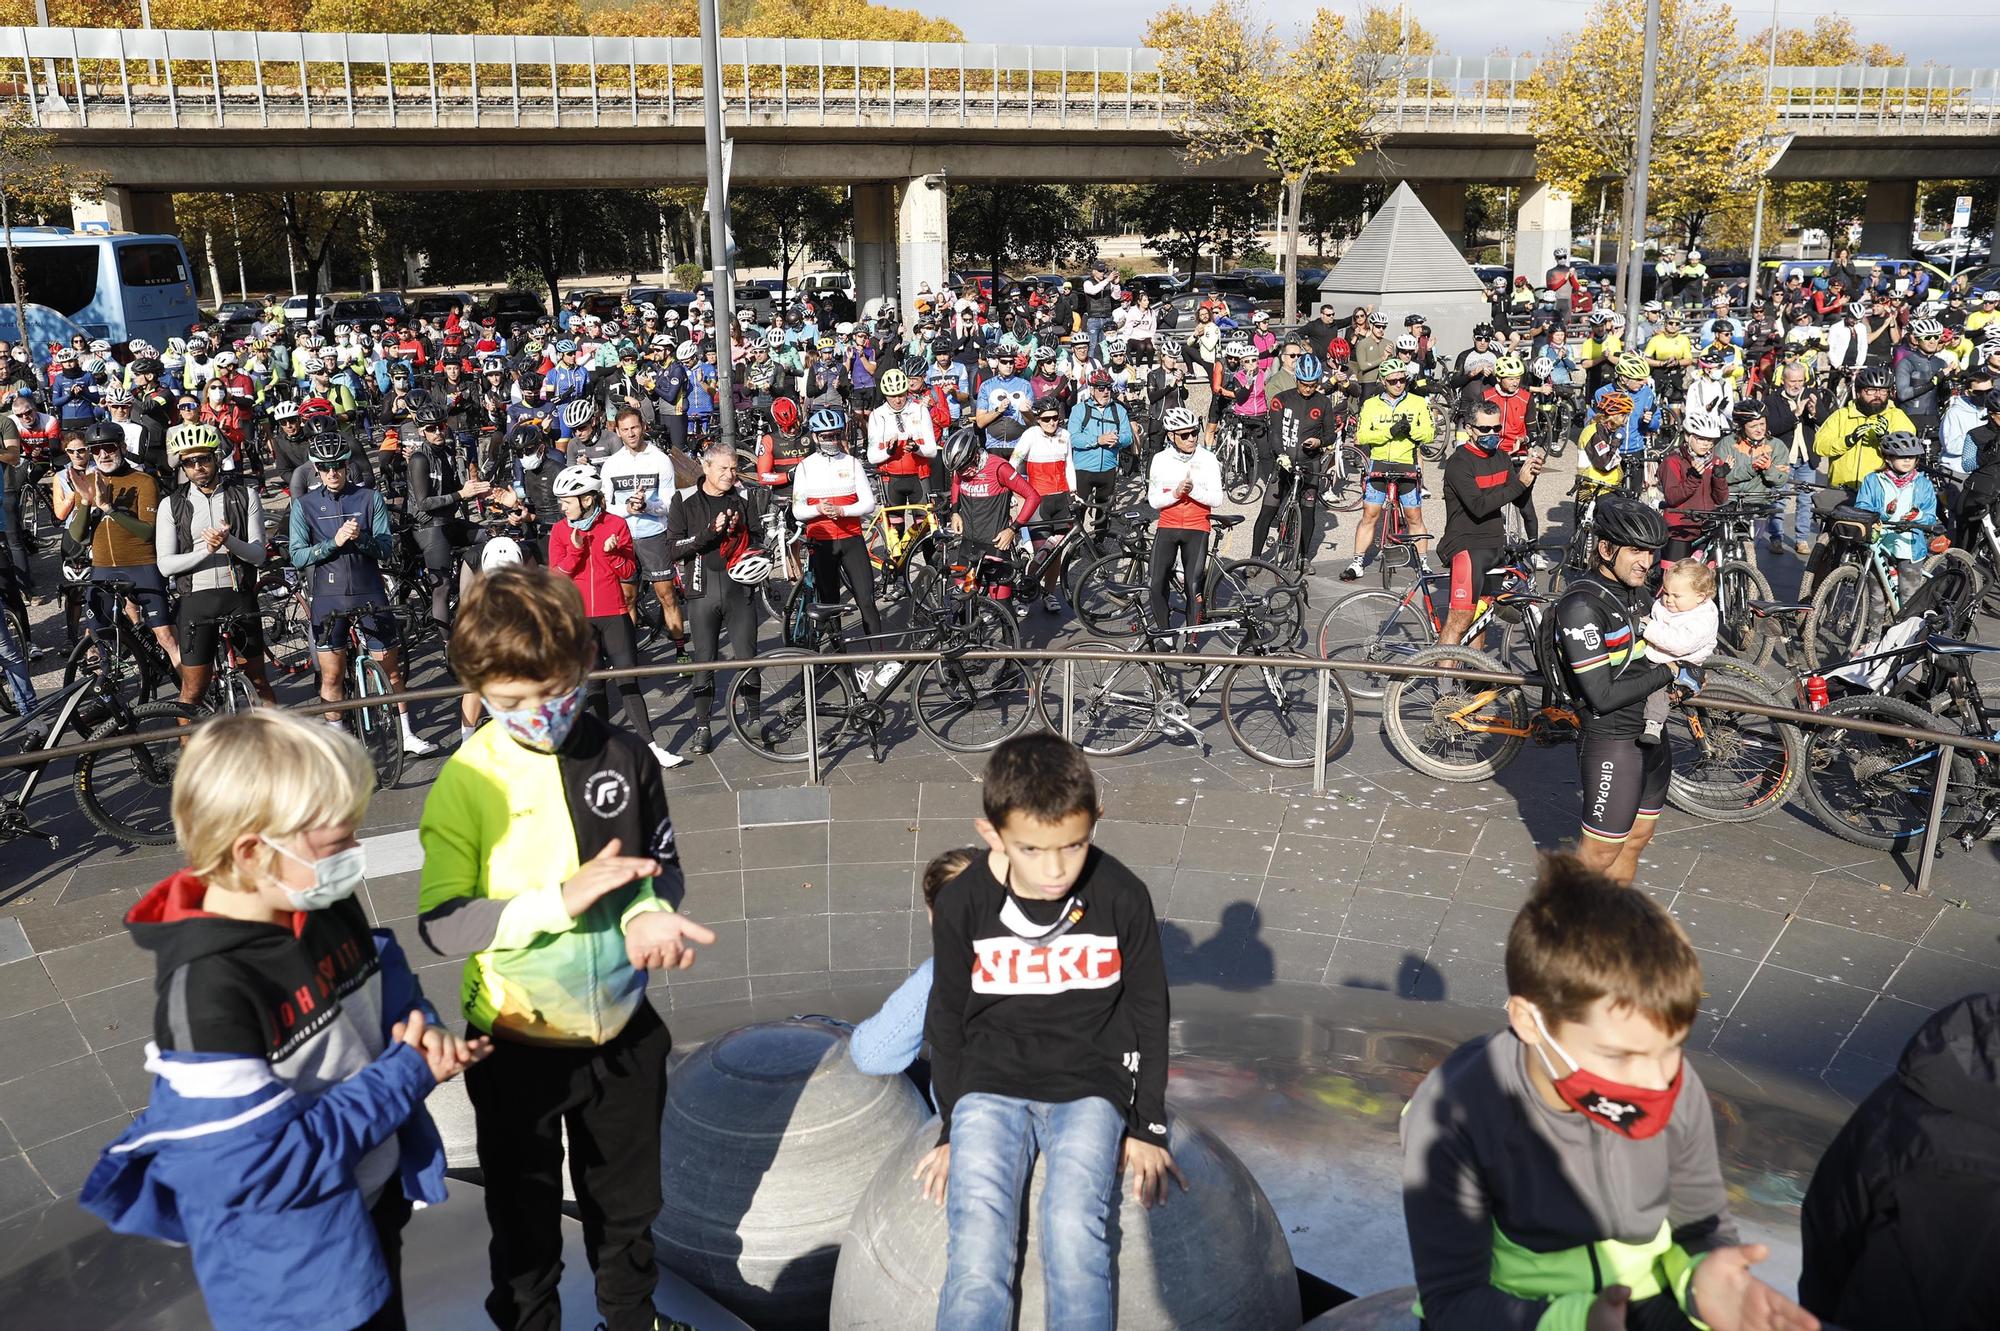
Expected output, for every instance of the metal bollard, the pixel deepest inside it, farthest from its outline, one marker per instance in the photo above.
(1930, 850)
(1320, 729)
(812, 723)
(1069, 700)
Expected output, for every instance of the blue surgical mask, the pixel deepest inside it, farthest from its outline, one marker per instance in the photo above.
(544, 726)
(334, 878)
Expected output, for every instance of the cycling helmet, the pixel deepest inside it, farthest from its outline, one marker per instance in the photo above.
(499, 552)
(1706, 424)
(579, 413)
(1414, 321)
(785, 415)
(580, 479)
(1238, 350)
(685, 353)
(1543, 367)
(1651, 307)
(1045, 353)
(1510, 367)
(1394, 367)
(328, 449)
(1483, 330)
(315, 408)
(893, 382)
(822, 344)
(1102, 380)
(1749, 409)
(1926, 328)
(221, 358)
(1631, 523)
(66, 357)
(565, 346)
(828, 420)
(146, 365)
(1045, 404)
(1079, 338)
(117, 396)
(195, 437)
(172, 360)
(1872, 376)
(1615, 403)
(285, 411)
(1179, 420)
(1308, 370)
(1407, 343)
(1114, 346)
(962, 448)
(312, 365)
(1900, 444)
(1631, 365)
(493, 365)
(660, 342)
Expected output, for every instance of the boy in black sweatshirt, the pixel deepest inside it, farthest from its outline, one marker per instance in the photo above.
(1048, 1034)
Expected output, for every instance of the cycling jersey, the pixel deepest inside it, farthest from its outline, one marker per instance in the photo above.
(901, 443)
(1379, 414)
(1513, 417)
(778, 455)
(1603, 657)
(984, 498)
(1046, 461)
(1643, 420)
(1297, 418)
(1601, 463)
(1188, 512)
(1479, 483)
(340, 577)
(1670, 348)
(647, 473)
(839, 478)
(600, 574)
(1847, 441)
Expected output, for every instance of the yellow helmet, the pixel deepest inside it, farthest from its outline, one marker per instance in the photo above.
(895, 381)
(194, 437)
(1509, 367)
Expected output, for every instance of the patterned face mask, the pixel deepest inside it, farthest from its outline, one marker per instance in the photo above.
(544, 726)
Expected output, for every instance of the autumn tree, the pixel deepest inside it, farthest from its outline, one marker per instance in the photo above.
(1710, 115)
(34, 182)
(1824, 205)
(1305, 109)
(787, 224)
(992, 224)
(1185, 220)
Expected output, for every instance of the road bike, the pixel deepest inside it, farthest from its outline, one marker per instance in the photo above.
(378, 725)
(1111, 594)
(1727, 543)
(133, 662)
(229, 688)
(1396, 546)
(1237, 460)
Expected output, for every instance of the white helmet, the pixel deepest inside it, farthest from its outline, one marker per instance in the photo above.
(499, 552)
(751, 568)
(1238, 350)
(1407, 342)
(1178, 420)
(580, 479)
(312, 365)
(285, 411)
(1707, 424)
(685, 352)
(1926, 328)
(1694, 256)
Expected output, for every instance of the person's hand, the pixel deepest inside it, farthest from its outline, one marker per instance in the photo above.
(606, 872)
(1186, 487)
(446, 1054)
(214, 537)
(474, 489)
(610, 544)
(957, 524)
(828, 509)
(1532, 467)
(1284, 462)
(350, 531)
(1607, 1310)
(1108, 439)
(932, 1171)
(1150, 1166)
(635, 503)
(658, 940)
(1400, 428)
(1004, 540)
(1729, 1298)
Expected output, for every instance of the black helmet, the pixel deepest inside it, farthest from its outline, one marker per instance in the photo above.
(1483, 330)
(321, 428)
(1993, 400)
(1872, 376)
(327, 450)
(962, 447)
(104, 432)
(1749, 409)
(1900, 444)
(147, 365)
(1629, 522)
(530, 437)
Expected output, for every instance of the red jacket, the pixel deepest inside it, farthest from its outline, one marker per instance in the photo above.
(1690, 491)
(599, 574)
(1513, 417)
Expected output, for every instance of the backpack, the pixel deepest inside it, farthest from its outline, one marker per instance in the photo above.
(939, 401)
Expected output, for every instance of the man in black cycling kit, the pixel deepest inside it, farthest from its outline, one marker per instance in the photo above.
(1597, 637)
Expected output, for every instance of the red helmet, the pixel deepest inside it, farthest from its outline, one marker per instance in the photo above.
(315, 406)
(785, 415)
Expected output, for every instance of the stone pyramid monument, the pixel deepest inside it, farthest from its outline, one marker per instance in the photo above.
(1402, 263)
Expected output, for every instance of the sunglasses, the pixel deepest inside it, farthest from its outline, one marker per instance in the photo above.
(1182, 434)
(329, 466)
(1048, 420)
(106, 448)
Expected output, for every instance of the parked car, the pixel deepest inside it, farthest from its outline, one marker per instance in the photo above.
(439, 305)
(508, 308)
(392, 303)
(355, 311)
(758, 302)
(236, 318)
(815, 285)
(1160, 286)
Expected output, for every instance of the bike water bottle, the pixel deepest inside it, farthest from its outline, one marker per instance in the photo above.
(1816, 693)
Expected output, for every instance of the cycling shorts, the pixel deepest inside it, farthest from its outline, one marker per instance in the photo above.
(198, 628)
(378, 629)
(151, 597)
(902, 490)
(1409, 495)
(1470, 572)
(1624, 783)
(654, 557)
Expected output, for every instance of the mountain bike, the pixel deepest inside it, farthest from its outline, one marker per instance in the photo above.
(1859, 597)
(966, 706)
(1727, 543)
(1728, 766)
(1270, 707)
(132, 660)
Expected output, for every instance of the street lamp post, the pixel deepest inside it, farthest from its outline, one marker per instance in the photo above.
(1643, 160)
(724, 270)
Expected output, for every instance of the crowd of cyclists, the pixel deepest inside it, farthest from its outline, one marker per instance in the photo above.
(386, 465)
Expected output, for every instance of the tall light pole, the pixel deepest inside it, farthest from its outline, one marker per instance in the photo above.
(1643, 160)
(723, 273)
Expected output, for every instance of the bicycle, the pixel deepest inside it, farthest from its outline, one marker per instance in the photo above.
(127, 792)
(1111, 594)
(1113, 707)
(1444, 428)
(893, 545)
(1375, 625)
(378, 726)
(1392, 531)
(229, 688)
(1728, 766)
(1727, 543)
(966, 706)
(1856, 599)
(1238, 461)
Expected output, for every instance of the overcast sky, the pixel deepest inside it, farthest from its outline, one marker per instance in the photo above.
(1950, 32)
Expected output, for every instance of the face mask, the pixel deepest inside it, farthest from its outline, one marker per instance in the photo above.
(532, 461)
(544, 726)
(334, 878)
(830, 448)
(1625, 1110)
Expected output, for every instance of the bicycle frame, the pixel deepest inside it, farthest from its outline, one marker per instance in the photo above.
(898, 540)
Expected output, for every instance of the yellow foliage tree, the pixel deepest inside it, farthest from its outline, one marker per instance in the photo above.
(1306, 109)
(1710, 114)
(1829, 41)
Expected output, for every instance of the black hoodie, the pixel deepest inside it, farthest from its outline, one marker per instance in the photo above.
(1902, 1222)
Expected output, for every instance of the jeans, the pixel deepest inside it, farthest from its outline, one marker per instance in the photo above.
(1095, 326)
(14, 664)
(995, 1139)
(1803, 473)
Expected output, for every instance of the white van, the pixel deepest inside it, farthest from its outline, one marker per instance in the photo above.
(815, 284)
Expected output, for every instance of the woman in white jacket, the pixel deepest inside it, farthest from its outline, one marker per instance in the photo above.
(1184, 484)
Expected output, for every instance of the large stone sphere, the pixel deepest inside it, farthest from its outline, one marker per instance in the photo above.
(770, 1137)
(1388, 1310)
(1212, 1259)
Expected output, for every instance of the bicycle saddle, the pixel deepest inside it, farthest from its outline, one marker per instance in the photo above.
(1953, 647)
(1224, 520)
(820, 610)
(1777, 607)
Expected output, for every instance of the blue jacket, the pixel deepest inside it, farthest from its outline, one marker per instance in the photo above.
(1086, 422)
(258, 1180)
(1914, 501)
(890, 1041)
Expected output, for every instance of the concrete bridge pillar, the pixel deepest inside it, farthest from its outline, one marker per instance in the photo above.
(1444, 200)
(923, 239)
(874, 242)
(1885, 220)
(125, 209)
(1541, 227)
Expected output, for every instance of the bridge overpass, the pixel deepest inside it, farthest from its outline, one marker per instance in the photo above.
(158, 111)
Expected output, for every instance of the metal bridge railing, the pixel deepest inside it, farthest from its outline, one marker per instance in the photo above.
(1949, 744)
(107, 78)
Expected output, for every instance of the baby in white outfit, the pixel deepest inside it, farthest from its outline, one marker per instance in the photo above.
(1680, 631)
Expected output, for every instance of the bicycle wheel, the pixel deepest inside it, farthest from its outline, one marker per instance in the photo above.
(1343, 481)
(1838, 620)
(972, 706)
(988, 623)
(767, 707)
(1740, 633)
(1271, 710)
(1966, 566)
(1279, 600)
(1114, 705)
(127, 793)
(133, 676)
(1875, 790)
(377, 726)
(1732, 767)
(1108, 594)
(1373, 626)
(287, 637)
(1452, 729)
